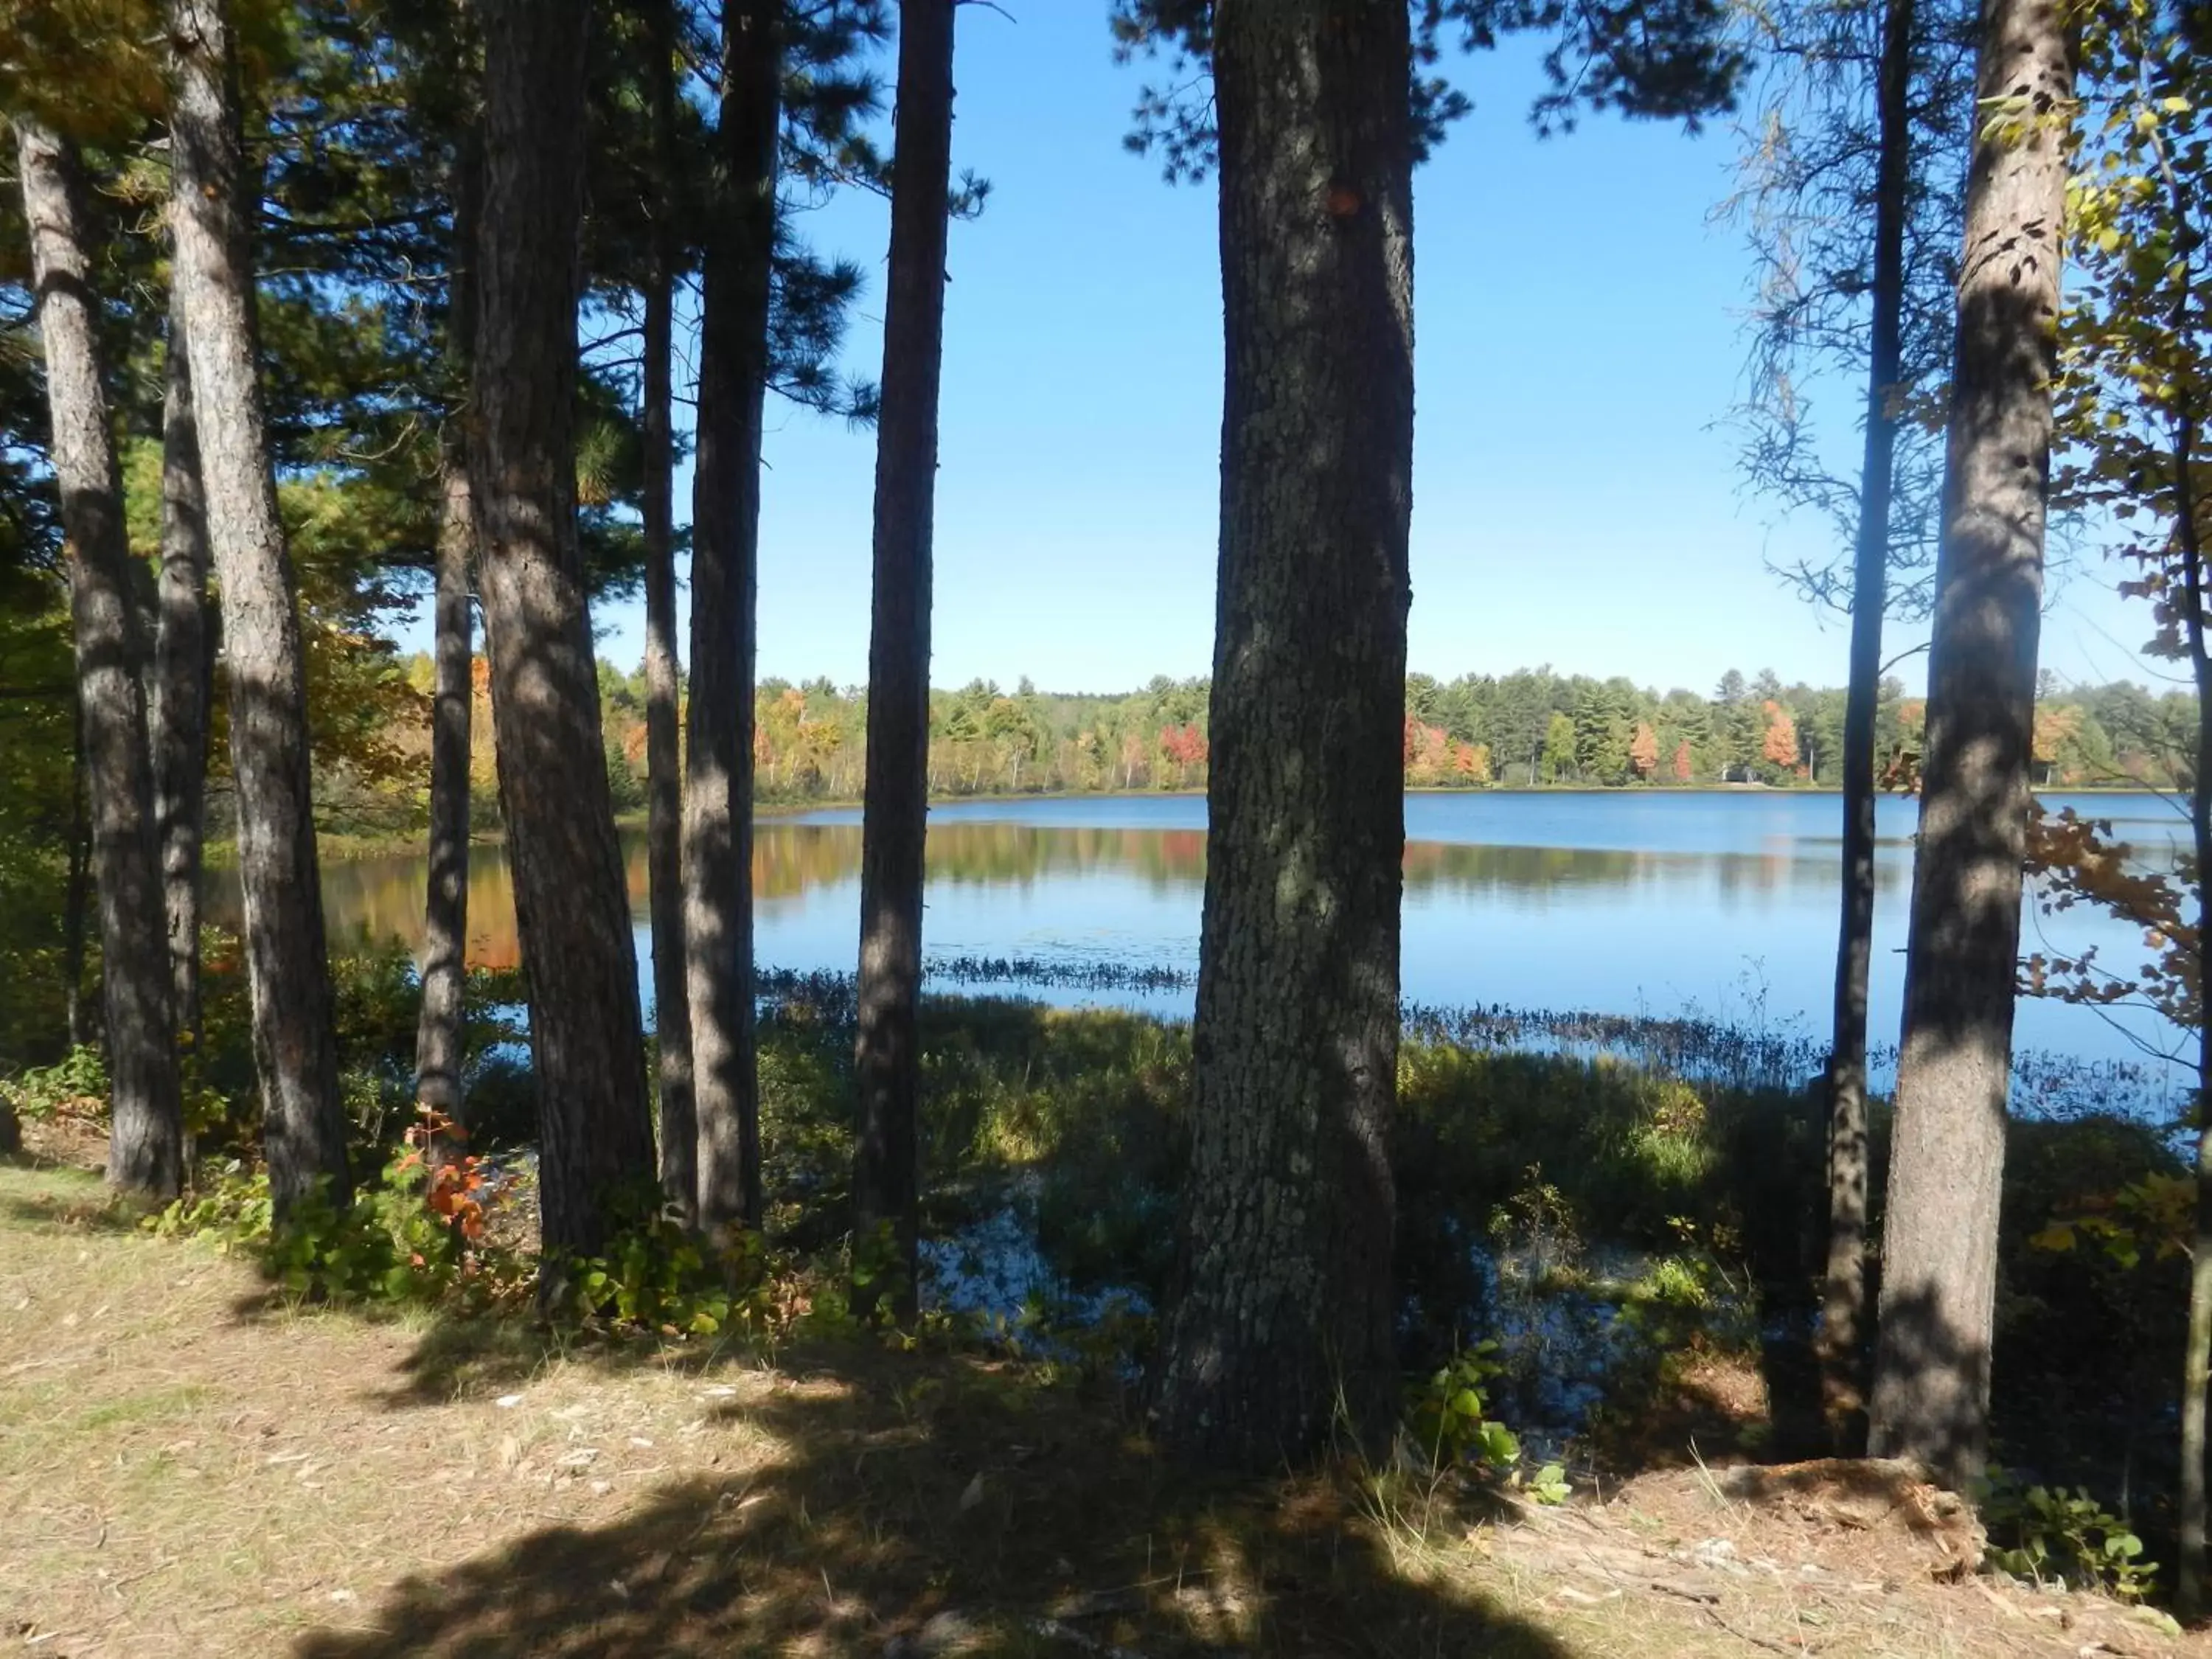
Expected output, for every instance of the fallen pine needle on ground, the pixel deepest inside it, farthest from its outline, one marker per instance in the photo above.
(189, 1466)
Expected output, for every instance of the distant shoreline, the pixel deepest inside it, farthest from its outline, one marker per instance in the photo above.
(339, 847)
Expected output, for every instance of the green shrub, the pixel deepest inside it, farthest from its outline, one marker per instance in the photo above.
(2043, 1532)
(78, 1080)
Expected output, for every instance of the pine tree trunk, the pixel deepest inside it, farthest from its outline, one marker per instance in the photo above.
(145, 1152)
(571, 908)
(1939, 1247)
(663, 834)
(718, 839)
(1283, 1315)
(439, 1031)
(887, 1060)
(76, 893)
(184, 665)
(1843, 1302)
(288, 966)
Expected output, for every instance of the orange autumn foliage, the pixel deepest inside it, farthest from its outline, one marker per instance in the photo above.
(1644, 750)
(1780, 745)
(453, 1186)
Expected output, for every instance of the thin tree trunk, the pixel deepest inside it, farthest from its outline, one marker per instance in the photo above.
(2196, 1357)
(1283, 1317)
(572, 909)
(183, 664)
(145, 1152)
(1939, 1248)
(1843, 1302)
(718, 901)
(294, 1044)
(663, 834)
(887, 1058)
(438, 1031)
(76, 895)
(2196, 1365)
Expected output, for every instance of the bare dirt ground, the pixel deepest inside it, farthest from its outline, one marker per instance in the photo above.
(188, 1467)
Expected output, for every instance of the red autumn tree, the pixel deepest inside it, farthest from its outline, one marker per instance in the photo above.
(1683, 766)
(1185, 746)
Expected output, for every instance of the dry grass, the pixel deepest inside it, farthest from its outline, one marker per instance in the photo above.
(1824, 1558)
(188, 1470)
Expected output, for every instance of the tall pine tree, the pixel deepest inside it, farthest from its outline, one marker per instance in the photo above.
(288, 967)
(1283, 1313)
(145, 1154)
(887, 1062)
(1940, 1240)
(572, 909)
(733, 358)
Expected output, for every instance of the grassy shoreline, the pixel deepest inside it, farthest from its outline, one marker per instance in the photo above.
(1632, 1200)
(203, 1464)
(199, 1467)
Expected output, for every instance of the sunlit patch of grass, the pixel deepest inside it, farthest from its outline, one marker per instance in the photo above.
(132, 1410)
(55, 1195)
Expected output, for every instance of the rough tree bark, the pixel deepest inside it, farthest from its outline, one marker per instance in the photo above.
(887, 1059)
(439, 1031)
(1843, 1303)
(718, 900)
(184, 665)
(145, 1152)
(664, 832)
(288, 967)
(1283, 1311)
(76, 893)
(439, 1027)
(1939, 1248)
(572, 910)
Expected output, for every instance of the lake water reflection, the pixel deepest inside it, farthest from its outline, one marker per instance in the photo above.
(1656, 903)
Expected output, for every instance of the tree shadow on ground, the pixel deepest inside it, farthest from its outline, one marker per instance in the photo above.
(82, 1217)
(75, 1203)
(875, 1503)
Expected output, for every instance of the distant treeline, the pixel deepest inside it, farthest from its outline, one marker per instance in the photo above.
(1531, 728)
(1528, 728)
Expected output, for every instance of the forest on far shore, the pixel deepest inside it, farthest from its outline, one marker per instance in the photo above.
(1527, 729)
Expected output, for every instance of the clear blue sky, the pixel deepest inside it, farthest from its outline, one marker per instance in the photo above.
(1579, 336)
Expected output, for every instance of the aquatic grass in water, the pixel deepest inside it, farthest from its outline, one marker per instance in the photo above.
(1054, 1138)
(1608, 1198)
(1750, 1052)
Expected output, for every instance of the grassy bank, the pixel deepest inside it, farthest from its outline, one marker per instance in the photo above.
(1627, 1209)
(195, 1467)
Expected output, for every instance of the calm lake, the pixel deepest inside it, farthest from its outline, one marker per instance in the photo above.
(1720, 905)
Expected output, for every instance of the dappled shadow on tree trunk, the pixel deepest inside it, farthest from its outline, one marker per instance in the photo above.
(1942, 1360)
(882, 1504)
